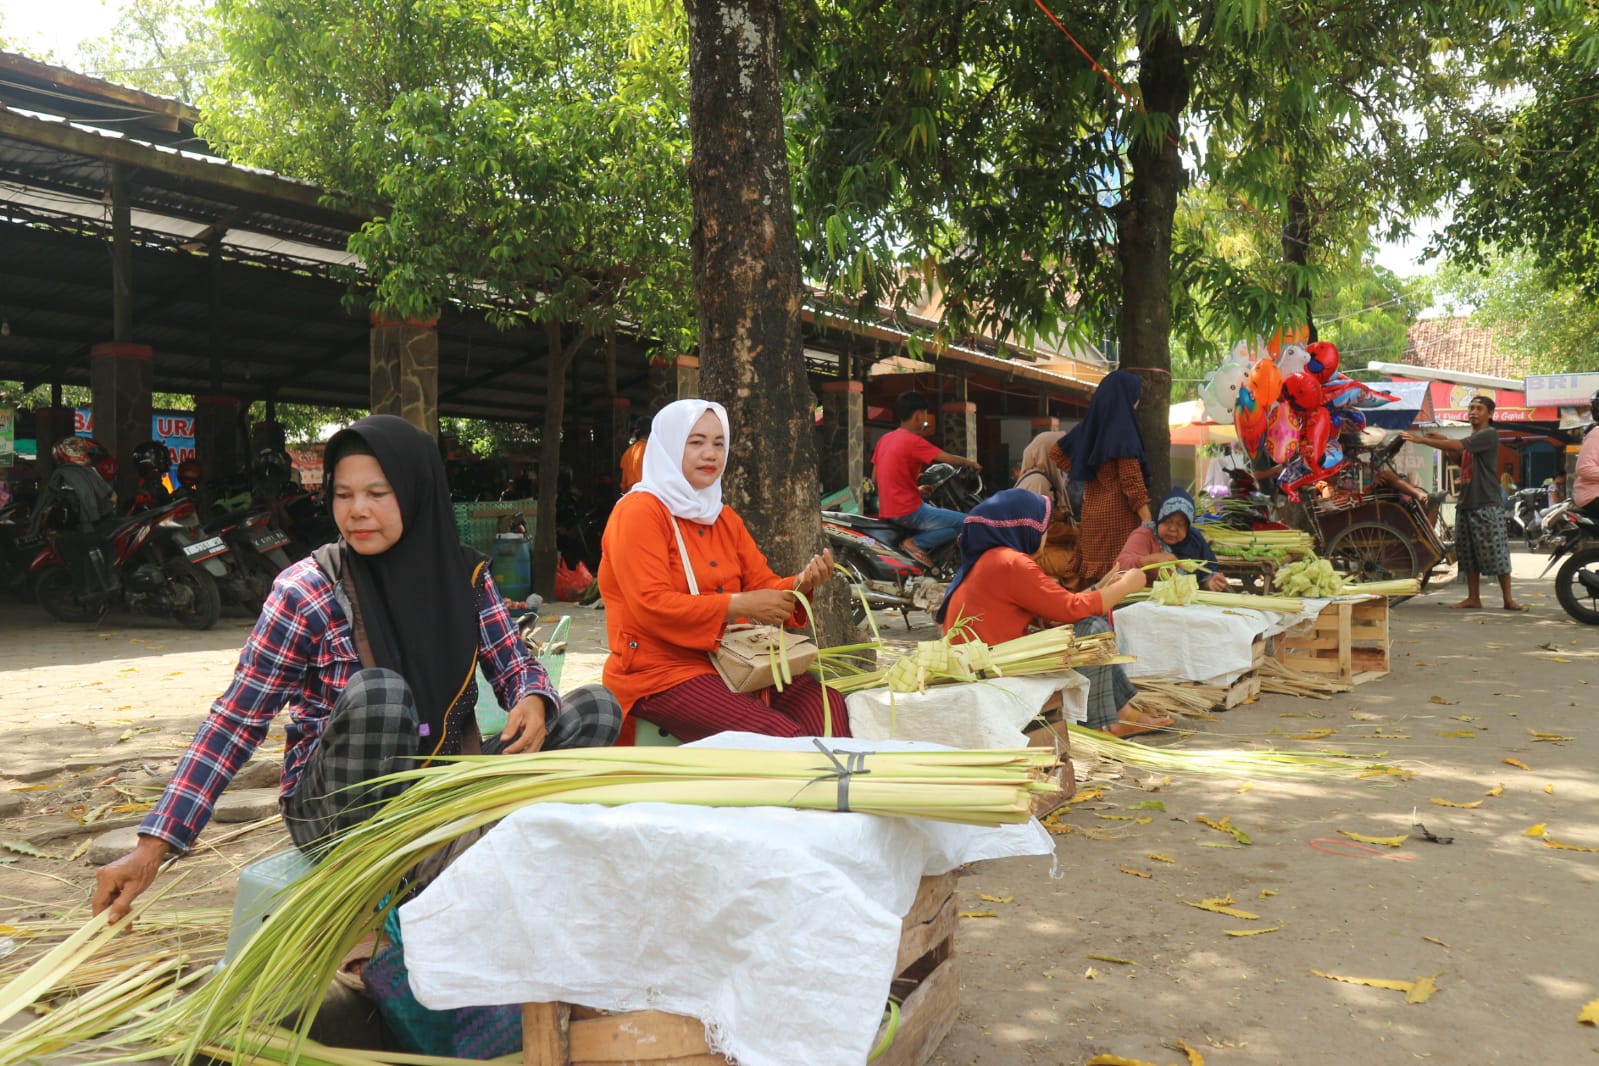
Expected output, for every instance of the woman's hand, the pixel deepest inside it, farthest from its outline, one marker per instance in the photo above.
(1217, 582)
(524, 726)
(116, 884)
(816, 572)
(771, 607)
(1119, 586)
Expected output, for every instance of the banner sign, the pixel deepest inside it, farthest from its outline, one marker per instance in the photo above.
(1449, 404)
(1561, 390)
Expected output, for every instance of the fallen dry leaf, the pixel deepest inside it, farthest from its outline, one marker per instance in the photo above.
(1226, 826)
(1135, 873)
(1442, 701)
(1417, 991)
(1451, 803)
(1112, 958)
(995, 899)
(1551, 842)
(1314, 734)
(1458, 733)
(1435, 940)
(1538, 734)
(1255, 932)
(1589, 1014)
(1194, 1057)
(1161, 858)
(1497, 790)
(1387, 842)
(978, 914)
(1549, 790)
(1534, 830)
(1266, 893)
(1517, 763)
(1222, 905)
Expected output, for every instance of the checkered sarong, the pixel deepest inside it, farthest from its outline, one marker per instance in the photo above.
(373, 731)
(1481, 544)
(1108, 686)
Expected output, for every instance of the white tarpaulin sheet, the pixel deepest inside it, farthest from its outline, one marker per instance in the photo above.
(779, 929)
(978, 714)
(1198, 642)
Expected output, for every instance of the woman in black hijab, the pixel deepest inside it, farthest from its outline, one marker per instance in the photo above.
(371, 645)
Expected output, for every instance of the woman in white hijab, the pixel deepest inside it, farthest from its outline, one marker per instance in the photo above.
(661, 633)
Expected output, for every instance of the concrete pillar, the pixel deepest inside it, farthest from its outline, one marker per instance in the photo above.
(959, 428)
(842, 447)
(120, 377)
(614, 428)
(50, 425)
(216, 436)
(405, 371)
(688, 377)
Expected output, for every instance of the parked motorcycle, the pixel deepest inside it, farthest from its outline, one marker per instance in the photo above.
(158, 562)
(1577, 580)
(17, 549)
(1523, 518)
(868, 548)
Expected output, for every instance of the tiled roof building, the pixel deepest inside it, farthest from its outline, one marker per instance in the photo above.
(1455, 344)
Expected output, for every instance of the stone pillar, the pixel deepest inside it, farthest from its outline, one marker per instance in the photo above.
(842, 447)
(688, 377)
(51, 424)
(405, 371)
(216, 436)
(614, 429)
(960, 428)
(119, 377)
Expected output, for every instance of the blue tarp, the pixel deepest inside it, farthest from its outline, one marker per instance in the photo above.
(1400, 414)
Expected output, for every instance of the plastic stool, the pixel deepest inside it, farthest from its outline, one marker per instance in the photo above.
(636, 732)
(490, 715)
(261, 885)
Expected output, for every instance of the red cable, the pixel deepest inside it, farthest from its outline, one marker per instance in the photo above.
(1094, 64)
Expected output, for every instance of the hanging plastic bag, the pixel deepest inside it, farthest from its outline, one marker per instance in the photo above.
(571, 582)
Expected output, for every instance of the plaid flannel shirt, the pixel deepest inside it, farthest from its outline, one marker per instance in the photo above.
(300, 656)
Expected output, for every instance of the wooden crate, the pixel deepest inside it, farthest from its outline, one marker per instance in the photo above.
(1049, 731)
(1247, 687)
(928, 987)
(1253, 575)
(1347, 641)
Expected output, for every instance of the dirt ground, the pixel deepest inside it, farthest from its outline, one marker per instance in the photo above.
(1498, 918)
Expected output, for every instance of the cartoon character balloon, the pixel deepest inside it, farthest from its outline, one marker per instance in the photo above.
(1323, 361)
(1292, 359)
(1220, 391)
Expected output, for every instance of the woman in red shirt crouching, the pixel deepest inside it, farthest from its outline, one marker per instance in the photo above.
(999, 592)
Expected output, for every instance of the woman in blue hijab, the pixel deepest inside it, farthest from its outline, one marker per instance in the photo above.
(1106, 453)
(1000, 591)
(1172, 536)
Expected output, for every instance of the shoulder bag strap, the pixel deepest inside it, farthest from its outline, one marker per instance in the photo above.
(688, 564)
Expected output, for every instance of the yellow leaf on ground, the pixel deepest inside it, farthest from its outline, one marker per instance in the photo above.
(1219, 905)
(995, 899)
(978, 914)
(1517, 763)
(1135, 873)
(1549, 790)
(1245, 787)
(1589, 1014)
(1380, 735)
(1551, 842)
(1451, 803)
(1441, 700)
(1435, 940)
(1265, 892)
(1255, 932)
(1113, 958)
(1161, 858)
(33, 788)
(1423, 990)
(1226, 826)
(1115, 1060)
(1194, 1057)
(1314, 734)
(1540, 735)
(1557, 658)
(1085, 794)
(1463, 717)
(1458, 733)
(1090, 973)
(1497, 790)
(1115, 817)
(1534, 830)
(1387, 842)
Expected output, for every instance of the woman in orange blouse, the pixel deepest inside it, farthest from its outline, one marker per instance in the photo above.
(1000, 591)
(1106, 453)
(660, 634)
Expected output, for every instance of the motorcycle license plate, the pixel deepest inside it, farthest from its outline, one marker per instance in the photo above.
(204, 549)
(267, 541)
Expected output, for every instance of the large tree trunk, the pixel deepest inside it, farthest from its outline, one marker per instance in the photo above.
(746, 274)
(1143, 244)
(558, 363)
(1296, 252)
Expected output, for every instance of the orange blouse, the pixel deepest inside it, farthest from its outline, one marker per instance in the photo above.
(1006, 590)
(658, 632)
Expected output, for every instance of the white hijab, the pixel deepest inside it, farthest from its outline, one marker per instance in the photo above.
(663, 462)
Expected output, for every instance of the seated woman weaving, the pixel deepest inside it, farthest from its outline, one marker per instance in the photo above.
(673, 525)
(999, 591)
(1172, 536)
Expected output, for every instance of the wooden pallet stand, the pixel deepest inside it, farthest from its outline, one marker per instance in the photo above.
(928, 987)
(1347, 641)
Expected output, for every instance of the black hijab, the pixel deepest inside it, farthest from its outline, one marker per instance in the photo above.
(417, 600)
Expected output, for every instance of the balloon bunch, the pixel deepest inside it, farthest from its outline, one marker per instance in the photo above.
(1294, 399)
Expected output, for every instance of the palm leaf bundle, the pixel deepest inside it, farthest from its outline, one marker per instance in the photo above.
(943, 661)
(283, 969)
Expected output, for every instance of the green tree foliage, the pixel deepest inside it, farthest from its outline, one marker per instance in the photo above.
(526, 158)
(1531, 165)
(1547, 322)
(164, 47)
